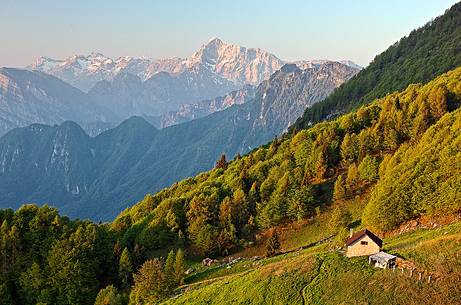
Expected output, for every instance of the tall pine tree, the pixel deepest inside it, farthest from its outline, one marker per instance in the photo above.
(125, 269)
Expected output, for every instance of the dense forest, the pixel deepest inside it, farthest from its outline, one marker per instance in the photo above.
(387, 146)
(48, 259)
(421, 56)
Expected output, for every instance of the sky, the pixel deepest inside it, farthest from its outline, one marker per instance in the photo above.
(357, 30)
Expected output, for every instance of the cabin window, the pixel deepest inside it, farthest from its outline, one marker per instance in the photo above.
(364, 242)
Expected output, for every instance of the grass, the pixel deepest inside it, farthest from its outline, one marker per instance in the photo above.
(432, 250)
(217, 271)
(319, 276)
(258, 285)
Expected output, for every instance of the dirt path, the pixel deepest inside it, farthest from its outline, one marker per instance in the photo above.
(215, 279)
(303, 290)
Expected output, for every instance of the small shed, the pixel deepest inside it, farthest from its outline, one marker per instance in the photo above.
(362, 243)
(382, 260)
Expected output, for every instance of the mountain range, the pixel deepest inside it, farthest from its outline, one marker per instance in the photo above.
(165, 92)
(98, 177)
(234, 63)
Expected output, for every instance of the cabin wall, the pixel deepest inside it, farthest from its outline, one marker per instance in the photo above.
(358, 249)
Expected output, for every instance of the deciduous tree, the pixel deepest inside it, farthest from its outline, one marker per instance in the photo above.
(150, 283)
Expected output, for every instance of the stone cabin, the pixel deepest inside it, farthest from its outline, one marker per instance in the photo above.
(363, 243)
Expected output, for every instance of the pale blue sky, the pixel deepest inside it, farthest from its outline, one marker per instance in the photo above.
(292, 29)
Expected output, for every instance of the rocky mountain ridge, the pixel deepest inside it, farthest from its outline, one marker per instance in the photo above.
(34, 97)
(234, 63)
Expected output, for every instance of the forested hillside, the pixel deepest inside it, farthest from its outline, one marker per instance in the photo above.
(290, 177)
(424, 54)
(423, 177)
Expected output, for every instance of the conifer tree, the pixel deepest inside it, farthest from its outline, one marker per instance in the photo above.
(352, 176)
(368, 169)
(117, 249)
(339, 191)
(339, 220)
(321, 165)
(273, 244)
(31, 281)
(422, 121)
(391, 139)
(301, 203)
(349, 148)
(253, 197)
(125, 268)
(179, 266)
(438, 101)
(222, 162)
(169, 269)
(72, 267)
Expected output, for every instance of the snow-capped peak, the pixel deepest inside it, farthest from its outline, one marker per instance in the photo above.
(44, 64)
(214, 41)
(232, 62)
(351, 64)
(96, 55)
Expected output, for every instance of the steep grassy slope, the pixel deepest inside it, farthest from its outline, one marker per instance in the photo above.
(307, 277)
(426, 53)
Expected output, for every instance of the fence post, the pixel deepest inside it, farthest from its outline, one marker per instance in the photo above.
(411, 272)
(429, 279)
(420, 276)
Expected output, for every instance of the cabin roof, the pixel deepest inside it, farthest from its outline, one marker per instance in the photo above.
(365, 232)
(382, 257)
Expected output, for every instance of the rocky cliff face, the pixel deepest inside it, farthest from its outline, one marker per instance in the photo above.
(34, 97)
(285, 96)
(281, 99)
(189, 112)
(233, 62)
